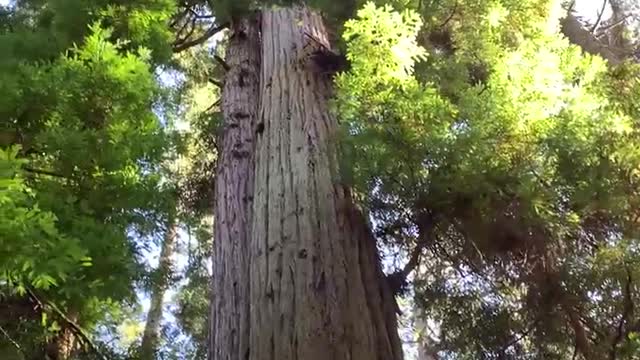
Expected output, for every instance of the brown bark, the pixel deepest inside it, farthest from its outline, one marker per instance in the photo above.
(316, 287)
(577, 34)
(229, 323)
(150, 336)
(64, 343)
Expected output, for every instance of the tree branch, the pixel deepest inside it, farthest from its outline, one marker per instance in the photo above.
(42, 172)
(177, 18)
(179, 37)
(216, 82)
(13, 342)
(604, 30)
(453, 12)
(522, 335)
(72, 324)
(595, 25)
(574, 31)
(216, 103)
(221, 61)
(398, 279)
(198, 16)
(184, 45)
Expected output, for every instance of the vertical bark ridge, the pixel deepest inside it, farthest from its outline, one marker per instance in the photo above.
(317, 290)
(229, 322)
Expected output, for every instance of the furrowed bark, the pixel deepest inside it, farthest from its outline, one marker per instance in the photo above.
(229, 323)
(65, 342)
(316, 287)
(150, 336)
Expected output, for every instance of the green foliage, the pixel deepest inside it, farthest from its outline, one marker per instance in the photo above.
(527, 172)
(23, 225)
(82, 150)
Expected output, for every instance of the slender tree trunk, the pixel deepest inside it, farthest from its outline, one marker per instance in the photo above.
(154, 316)
(317, 290)
(229, 322)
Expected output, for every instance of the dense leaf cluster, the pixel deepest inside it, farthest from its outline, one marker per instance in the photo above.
(82, 148)
(508, 158)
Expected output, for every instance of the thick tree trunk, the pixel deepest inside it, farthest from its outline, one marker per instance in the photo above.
(154, 316)
(229, 322)
(317, 291)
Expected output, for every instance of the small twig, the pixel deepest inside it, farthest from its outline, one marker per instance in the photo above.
(611, 26)
(216, 82)
(218, 102)
(595, 26)
(198, 16)
(192, 28)
(521, 336)
(13, 342)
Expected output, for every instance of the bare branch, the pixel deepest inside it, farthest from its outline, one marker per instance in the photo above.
(221, 61)
(216, 103)
(595, 25)
(11, 340)
(574, 31)
(522, 335)
(184, 45)
(198, 16)
(216, 82)
(425, 233)
(72, 324)
(177, 18)
(185, 25)
(606, 28)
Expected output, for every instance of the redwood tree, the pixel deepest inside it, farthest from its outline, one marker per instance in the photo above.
(462, 157)
(296, 274)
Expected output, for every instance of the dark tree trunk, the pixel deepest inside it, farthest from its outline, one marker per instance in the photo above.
(229, 322)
